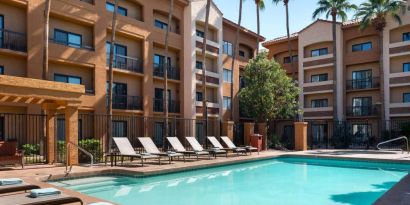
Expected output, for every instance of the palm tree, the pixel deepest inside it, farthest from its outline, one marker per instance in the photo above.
(235, 49)
(337, 9)
(110, 75)
(286, 4)
(165, 67)
(46, 37)
(375, 12)
(260, 5)
(204, 100)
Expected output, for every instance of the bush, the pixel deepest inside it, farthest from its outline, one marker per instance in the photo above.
(94, 147)
(31, 149)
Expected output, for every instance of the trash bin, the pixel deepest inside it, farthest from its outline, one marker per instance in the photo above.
(256, 141)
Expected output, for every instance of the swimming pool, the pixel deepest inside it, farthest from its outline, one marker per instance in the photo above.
(287, 180)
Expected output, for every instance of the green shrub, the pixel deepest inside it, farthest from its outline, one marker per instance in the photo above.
(31, 149)
(405, 129)
(94, 147)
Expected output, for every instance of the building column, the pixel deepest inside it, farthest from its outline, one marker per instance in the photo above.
(71, 133)
(301, 136)
(51, 111)
(227, 129)
(248, 131)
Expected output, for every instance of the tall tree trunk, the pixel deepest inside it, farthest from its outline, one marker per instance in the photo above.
(111, 76)
(382, 106)
(335, 117)
(235, 50)
(165, 67)
(289, 42)
(46, 38)
(204, 98)
(258, 26)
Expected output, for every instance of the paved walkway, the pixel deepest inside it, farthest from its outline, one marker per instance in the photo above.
(38, 174)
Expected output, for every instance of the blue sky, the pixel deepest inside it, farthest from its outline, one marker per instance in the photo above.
(273, 17)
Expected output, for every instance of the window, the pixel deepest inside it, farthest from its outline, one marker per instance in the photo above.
(1, 70)
(319, 133)
(67, 38)
(161, 25)
(121, 10)
(199, 65)
(118, 49)
(227, 76)
(319, 78)
(241, 82)
(119, 128)
(406, 97)
(406, 36)
(319, 103)
(361, 132)
(362, 106)
(319, 52)
(1, 33)
(200, 33)
(362, 79)
(199, 96)
(227, 48)
(406, 67)
(227, 103)
(242, 53)
(159, 60)
(2, 125)
(286, 59)
(67, 79)
(362, 47)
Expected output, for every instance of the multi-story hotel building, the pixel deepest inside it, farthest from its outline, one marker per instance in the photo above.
(360, 99)
(80, 33)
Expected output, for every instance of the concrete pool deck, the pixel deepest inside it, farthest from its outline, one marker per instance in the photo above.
(39, 174)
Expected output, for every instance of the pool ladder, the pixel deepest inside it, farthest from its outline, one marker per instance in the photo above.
(68, 170)
(395, 139)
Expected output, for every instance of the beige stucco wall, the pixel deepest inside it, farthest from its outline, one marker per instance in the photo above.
(134, 8)
(310, 97)
(14, 17)
(396, 94)
(13, 65)
(69, 25)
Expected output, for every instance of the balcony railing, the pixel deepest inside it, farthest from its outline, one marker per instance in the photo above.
(126, 63)
(360, 111)
(363, 83)
(173, 72)
(173, 106)
(125, 102)
(13, 40)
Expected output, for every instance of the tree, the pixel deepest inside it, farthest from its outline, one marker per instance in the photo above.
(375, 12)
(46, 38)
(204, 99)
(337, 9)
(286, 4)
(165, 66)
(260, 5)
(235, 49)
(269, 93)
(111, 75)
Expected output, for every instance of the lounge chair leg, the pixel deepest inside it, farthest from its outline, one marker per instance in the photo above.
(142, 162)
(183, 157)
(170, 158)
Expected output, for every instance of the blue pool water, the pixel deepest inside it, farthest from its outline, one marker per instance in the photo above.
(278, 181)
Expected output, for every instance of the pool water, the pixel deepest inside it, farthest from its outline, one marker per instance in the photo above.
(276, 181)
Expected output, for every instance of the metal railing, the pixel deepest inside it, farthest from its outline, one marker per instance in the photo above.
(392, 140)
(173, 72)
(359, 111)
(173, 106)
(366, 83)
(68, 170)
(13, 40)
(126, 63)
(125, 102)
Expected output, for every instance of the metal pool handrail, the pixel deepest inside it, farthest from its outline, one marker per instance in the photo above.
(395, 139)
(82, 150)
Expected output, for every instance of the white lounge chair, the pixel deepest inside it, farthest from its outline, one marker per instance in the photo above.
(197, 147)
(230, 144)
(218, 145)
(179, 148)
(126, 150)
(151, 148)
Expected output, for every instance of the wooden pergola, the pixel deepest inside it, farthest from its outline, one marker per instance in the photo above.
(51, 96)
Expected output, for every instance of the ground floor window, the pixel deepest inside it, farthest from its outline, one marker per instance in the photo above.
(119, 128)
(319, 132)
(2, 137)
(361, 131)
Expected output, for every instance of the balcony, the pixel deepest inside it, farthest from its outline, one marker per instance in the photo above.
(73, 45)
(173, 72)
(360, 84)
(13, 40)
(362, 111)
(173, 106)
(125, 102)
(126, 63)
